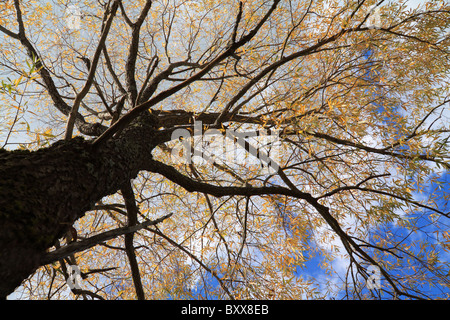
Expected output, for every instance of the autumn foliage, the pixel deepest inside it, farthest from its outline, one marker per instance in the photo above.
(349, 98)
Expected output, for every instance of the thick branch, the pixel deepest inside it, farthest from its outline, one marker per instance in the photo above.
(218, 191)
(133, 51)
(133, 113)
(9, 33)
(383, 151)
(43, 193)
(194, 186)
(90, 129)
(97, 239)
(132, 211)
(92, 70)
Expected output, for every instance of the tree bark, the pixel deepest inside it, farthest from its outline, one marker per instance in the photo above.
(43, 193)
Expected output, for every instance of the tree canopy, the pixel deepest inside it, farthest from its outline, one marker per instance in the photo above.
(285, 149)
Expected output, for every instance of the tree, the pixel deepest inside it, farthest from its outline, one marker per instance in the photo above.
(207, 149)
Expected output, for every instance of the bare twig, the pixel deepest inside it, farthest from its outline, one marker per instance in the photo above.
(90, 79)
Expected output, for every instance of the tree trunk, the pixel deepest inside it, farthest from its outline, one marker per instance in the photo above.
(43, 193)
